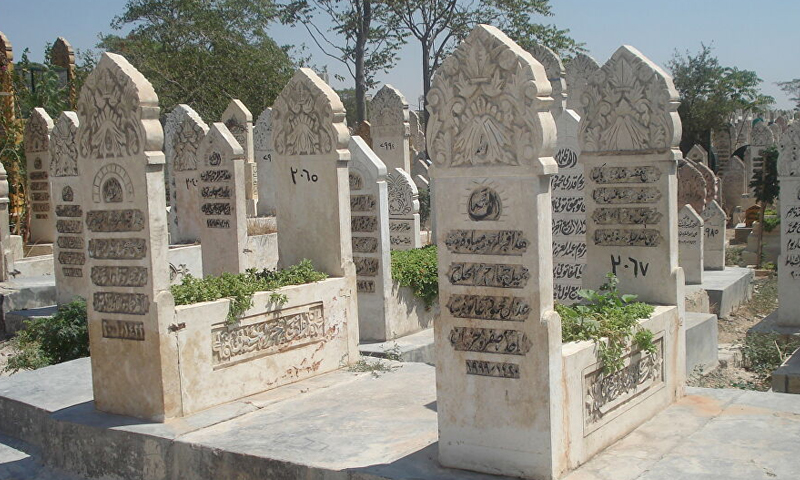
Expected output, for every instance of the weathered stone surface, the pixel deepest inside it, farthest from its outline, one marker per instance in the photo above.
(692, 188)
(714, 221)
(264, 157)
(36, 140)
(734, 184)
(789, 259)
(698, 154)
(578, 70)
(712, 182)
(389, 128)
(403, 203)
(239, 121)
(690, 245)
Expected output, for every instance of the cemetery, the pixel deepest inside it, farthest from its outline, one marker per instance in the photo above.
(532, 276)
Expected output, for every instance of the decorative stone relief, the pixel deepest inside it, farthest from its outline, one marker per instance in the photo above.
(403, 203)
(692, 188)
(761, 135)
(64, 159)
(37, 142)
(389, 128)
(577, 71)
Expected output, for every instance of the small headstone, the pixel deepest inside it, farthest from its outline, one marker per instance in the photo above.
(239, 121)
(363, 129)
(789, 259)
(752, 214)
(69, 249)
(223, 231)
(722, 144)
(712, 182)
(714, 221)
(733, 184)
(404, 228)
(37, 152)
(690, 245)
(578, 70)
(262, 139)
(691, 186)
(390, 129)
(698, 154)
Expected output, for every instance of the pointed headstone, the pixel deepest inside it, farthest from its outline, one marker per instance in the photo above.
(789, 260)
(37, 153)
(239, 121)
(262, 139)
(690, 245)
(390, 129)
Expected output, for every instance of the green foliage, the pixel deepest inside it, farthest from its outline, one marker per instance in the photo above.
(241, 287)
(204, 52)
(47, 341)
(766, 186)
(792, 88)
(733, 255)
(424, 205)
(418, 269)
(611, 320)
(710, 94)
(764, 352)
(771, 223)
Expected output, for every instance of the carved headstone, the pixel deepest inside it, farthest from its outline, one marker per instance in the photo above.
(417, 139)
(777, 131)
(239, 121)
(310, 140)
(712, 182)
(733, 184)
(63, 55)
(420, 172)
(631, 191)
(690, 245)
(369, 222)
(389, 128)
(7, 257)
(692, 188)
(578, 70)
(37, 152)
(714, 221)
(698, 154)
(68, 196)
(491, 138)
(184, 131)
(404, 228)
(134, 362)
(555, 74)
(223, 231)
(363, 130)
(722, 144)
(262, 139)
(789, 260)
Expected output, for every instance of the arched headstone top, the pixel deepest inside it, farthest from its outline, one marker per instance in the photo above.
(238, 119)
(262, 131)
(64, 147)
(761, 135)
(577, 73)
(789, 159)
(62, 53)
(403, 193)
(712, 182)
(692, 188)
(555, 74)
(698, 154)
(630, 107)
(118, 113)
(37, 131)
(388, 108)
(490, 107)
(309, 118)
(187, 132)
(219, 145)
(366, 162)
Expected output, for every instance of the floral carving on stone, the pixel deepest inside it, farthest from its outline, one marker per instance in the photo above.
(489, 105)
(577, 73)
(712, 182)
(691, 186)
(555, 72)
(183, 138)
(109, 110)
(37, 131)
(761, 135)
(630, 105)
(64, 149)
(388, 108)
(417, 132)
(403, 194)
(308, 117)
(789, 159)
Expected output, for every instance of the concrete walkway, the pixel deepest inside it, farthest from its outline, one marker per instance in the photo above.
(348, 426)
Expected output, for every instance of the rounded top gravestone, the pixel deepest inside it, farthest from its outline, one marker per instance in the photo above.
(692, 188)
(578, 70)
(64, 161)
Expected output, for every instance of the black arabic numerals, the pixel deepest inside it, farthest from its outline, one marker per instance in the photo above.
(310, 177)
(191, 182)
(638, 265)
(268, 157)
(387, 145)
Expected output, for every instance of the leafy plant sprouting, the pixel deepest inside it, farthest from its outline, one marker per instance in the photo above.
(607, 315)
(418, 269)
(241, 287)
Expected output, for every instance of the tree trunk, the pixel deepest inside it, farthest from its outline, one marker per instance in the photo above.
(360, 52)
(426, 77)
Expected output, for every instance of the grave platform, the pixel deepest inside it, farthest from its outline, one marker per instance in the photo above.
(356, 426)
(786, 379)
(727, 289)
(702, 334)
(23, 294)
(770, 325)
(417, 347)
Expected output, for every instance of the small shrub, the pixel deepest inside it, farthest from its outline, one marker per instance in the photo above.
(418, 270)
(770, 223)
(733, 255)
(762, 353)
(52, 340)
(241, 287)
(607, 315)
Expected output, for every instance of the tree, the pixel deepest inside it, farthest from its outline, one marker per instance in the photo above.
(710, 94)
(439, 24)
(204, 52)
(766, 189)
(792, 88)
(369, 43)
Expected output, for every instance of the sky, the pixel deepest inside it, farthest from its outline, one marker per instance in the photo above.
(751, 35)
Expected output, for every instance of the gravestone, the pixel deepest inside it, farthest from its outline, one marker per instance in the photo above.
(129, 306)
(690, 245)
(578, 70)
(223, 228)
(498, 343)
(420, 172)
(789, 260)
(7, 260)
(262, 139)
(62, 55)
(69, 249)
(777, 132)
(37, 153)
(691, 186)
(714, 237)
(363, 129)
(404, 228)
(722, 144)
(239, 121)
(698, 154)
(184, 131)
(310, 139)
(369, 222)
(712, 182)
(417, 138)
(733, 184)
(389, 128)
(569, 209)
(752, 214)
(631, 190)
